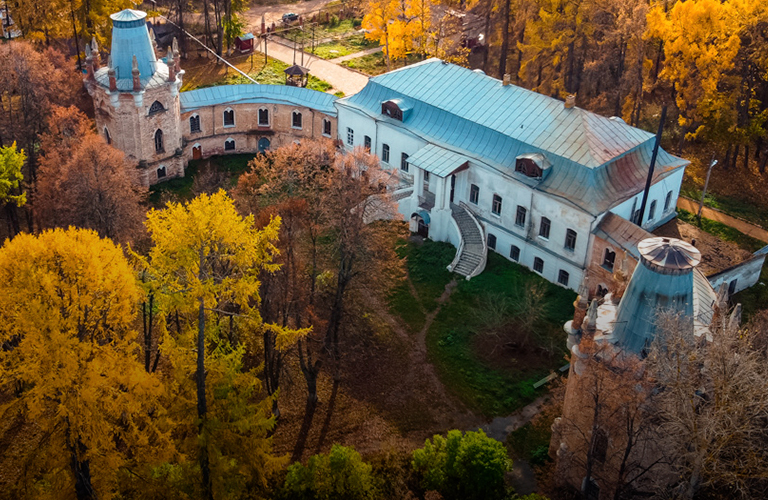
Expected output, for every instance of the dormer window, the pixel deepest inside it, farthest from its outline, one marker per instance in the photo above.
(155, 108)
(395, 108)
(533, 165)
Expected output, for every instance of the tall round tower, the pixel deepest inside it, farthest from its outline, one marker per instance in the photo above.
(663, 281)
(136, 98)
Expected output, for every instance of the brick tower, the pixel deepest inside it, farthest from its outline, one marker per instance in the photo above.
(136, 98)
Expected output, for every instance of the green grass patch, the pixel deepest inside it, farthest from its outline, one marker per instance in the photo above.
(531, 441)
(344, 46)
(271, 73)
(181, 188)
(343, 27)
(375, 64)
(489, 389)
(722, 231)
(742, 209)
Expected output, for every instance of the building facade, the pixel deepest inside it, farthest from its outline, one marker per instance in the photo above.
(141, 110)
(492, 166)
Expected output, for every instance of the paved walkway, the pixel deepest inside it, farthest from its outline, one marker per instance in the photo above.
(348, 81)
(716, 215)
(362, 53)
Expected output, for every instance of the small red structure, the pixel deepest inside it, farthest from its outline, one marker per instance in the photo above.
(244, 43)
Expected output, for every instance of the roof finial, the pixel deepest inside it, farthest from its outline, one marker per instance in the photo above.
(590, 322)
(135, 74)
(94, 45)
(111, 74)
(171, 65)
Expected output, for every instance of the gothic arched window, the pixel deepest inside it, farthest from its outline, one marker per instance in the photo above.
(156, 108)
(229, 145)
(107, 136)
(159, 141)
(194, 123)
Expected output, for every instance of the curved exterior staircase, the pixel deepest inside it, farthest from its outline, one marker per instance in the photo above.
(472, 253)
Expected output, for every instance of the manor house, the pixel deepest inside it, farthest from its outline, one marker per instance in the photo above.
(482, 164)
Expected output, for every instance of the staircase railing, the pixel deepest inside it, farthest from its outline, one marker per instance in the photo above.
(484, 257)
(460, 249)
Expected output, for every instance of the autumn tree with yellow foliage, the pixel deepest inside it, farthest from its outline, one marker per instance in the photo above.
(77, 409)
(204, 273)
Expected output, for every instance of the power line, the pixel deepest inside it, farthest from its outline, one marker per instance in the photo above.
(204, 45)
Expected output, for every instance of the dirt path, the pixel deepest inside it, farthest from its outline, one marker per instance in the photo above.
(501, 427)
(712, 214)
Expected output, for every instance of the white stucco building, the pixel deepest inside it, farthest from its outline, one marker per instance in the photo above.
(488, 165)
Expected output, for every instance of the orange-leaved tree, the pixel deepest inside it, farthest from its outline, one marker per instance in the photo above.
(76, 406)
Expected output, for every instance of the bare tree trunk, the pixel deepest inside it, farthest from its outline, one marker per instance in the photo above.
(504, 41)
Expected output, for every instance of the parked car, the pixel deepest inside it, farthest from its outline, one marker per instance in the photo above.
(290, 17)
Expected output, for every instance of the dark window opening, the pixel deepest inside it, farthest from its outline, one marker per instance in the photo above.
(367, 143)
(385, 153)
(544, 227)
(327, 127)
(263, 117)
(350, 136)
(161, 172)
(570, 239)
(156, 107)
(107, 136)
(296, 119)
(609, 258)
(538, 265)
(732, 287)
(474, 194)
(496, 206)
(652, 210)
(520, 217)
(159, 141)
(514, 253)
(229, 145)
(600, 445)
(528, 167)
(194, 124)
(667, 201)
(404, 162)
(562, 277)
(229, 118)
(492, 241)
(602, 291)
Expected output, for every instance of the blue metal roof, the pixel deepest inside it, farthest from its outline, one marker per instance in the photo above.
(597, 162)
(436, 160)
(254, 93)
(130, 37)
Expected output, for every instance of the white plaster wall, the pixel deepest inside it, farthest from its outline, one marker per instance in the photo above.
(657, 192)
(746, 274)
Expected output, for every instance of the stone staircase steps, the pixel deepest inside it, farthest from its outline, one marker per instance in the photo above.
(473, 251)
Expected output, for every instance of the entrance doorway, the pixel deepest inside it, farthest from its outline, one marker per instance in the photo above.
(263, 145)
(420, 224)
(197, 152)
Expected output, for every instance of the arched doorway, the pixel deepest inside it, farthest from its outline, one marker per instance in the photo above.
(263, 145)
(420, 223)
(197, 152)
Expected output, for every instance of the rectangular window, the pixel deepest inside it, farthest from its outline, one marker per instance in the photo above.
(263, 117)
(570, 239)
(562, 277)
(652, 210)
(520, 217)
(538, 265)
(492, 241)
(194, 124)
(544, 227)
(385, 153)
(496, 206)
(296, 122)
(474, 194)
(367, 143)
(609, 258)
(350, 136)
(327, 128)
(404, 162)
(514, 253)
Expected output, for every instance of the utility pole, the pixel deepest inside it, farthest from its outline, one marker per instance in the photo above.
(704, 191)
(648, 181)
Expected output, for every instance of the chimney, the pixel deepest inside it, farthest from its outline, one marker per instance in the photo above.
(135, 74)
(111, 74)
(171, 65)
(507, 79)
(96, 56)
(570, 101)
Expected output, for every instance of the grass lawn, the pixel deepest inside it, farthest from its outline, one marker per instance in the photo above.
(344, 27)
(487, 377)
(181, 188)
(344, 47)
(722, 231)
(376, 64)
(271, 73)
(743, 209)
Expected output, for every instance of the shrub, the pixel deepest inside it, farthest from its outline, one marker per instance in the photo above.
(341, 474)
(469, 466)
